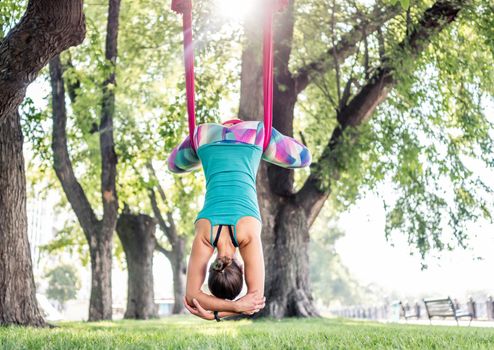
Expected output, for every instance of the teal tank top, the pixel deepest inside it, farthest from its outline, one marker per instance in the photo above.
(230, 170)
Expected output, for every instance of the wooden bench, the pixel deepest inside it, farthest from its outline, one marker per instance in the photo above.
(408, 311)
(445, 308)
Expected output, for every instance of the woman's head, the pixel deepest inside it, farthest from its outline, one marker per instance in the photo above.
(225, 278)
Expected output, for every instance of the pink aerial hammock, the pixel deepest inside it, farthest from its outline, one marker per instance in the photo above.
(185, 8)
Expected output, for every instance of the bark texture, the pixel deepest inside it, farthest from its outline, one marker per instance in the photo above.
(98, 232)
(137, 234)
(17, 289)
(179, 275)
(46, 29)
(288, 214)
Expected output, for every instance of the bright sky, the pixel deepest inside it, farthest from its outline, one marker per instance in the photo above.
(371, 259)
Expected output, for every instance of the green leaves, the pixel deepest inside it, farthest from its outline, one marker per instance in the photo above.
(63, 283)
(420, 143)
(34, 124)
(10, 12)
(404, 3)
(428, 149)
(70, 239)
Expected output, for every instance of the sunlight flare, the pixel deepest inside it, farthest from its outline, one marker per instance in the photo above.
(235, 9)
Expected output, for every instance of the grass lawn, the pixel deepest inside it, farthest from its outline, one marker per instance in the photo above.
(185, 332)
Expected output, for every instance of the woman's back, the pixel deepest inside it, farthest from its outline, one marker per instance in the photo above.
(230, 170)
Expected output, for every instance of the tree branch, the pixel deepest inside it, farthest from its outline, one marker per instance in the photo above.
(170, 229)
(346, 47)
(72, 86)
(366, 55)
(336, 62)
(61, 160)
(382, 44)
(164, 251)
(316, 189)
(47, 28)
(107, 145)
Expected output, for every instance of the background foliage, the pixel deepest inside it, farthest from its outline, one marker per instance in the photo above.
(427, 142)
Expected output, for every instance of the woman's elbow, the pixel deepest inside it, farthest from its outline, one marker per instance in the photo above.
(189, 296)
(259, 292)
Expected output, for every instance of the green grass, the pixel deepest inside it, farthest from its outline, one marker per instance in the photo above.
(190, 333)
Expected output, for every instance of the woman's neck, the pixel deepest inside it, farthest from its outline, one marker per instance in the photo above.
(226, 248)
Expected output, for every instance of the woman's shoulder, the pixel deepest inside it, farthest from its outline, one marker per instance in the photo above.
(203, 231)
(248, 230)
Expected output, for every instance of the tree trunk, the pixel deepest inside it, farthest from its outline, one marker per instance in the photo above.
(100, 303)
(285, 233)
(251, 82)
(176, 257)
(47, 28)
(99, 241)
(287, 286)
(17, 289)
(136, 232)
(179, 274)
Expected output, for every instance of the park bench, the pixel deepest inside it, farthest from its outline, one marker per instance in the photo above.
(409, 312)
(445, 308)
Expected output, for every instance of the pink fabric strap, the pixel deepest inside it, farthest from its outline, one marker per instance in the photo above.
(267, 68)
(185, 8)
(273, 6)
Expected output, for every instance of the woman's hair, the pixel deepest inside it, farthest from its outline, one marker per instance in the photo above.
(225, 278)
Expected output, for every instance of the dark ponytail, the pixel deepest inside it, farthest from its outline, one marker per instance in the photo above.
(225, 278)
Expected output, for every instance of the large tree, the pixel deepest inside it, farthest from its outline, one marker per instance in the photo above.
(46, 29)
(386, 44)
(98, 232)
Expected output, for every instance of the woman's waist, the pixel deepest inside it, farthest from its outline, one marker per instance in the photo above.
(230, 206)
(231, 180)
(230, 158)
(231, 193)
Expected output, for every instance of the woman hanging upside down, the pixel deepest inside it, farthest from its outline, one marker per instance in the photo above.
(230, 155)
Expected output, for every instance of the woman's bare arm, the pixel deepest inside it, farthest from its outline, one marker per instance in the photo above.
(199, 311)
(251, 251)
(196, 273)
